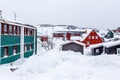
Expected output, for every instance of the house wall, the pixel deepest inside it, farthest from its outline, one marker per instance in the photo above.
(92, 39)
(73, 47)
(112, 50)
(100, 49)
(9, 41)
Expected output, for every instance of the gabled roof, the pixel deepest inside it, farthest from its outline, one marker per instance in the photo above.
(88, 31)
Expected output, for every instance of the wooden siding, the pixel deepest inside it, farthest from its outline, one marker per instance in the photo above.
(91, 40)
(112, 50)
(95, 52)
(74, 47)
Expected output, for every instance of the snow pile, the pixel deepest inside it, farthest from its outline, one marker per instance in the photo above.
(65, 65)
(68, 65)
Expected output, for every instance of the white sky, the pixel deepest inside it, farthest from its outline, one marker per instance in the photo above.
(86, 13)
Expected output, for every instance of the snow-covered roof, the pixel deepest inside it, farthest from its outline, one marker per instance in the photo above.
(76, 38)
(111, 43)
(58, 29)
(79, 43)
(95, 45)
(87, 32)
(16, 23)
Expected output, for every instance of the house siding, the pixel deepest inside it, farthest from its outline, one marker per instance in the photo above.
(73, 47)
(112, 50)
(10, 41)
(92, 41)
(94, 52)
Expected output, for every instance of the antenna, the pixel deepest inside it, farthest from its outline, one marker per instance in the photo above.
(15, 16)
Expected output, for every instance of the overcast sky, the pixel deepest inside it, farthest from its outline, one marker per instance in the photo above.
(85, 13)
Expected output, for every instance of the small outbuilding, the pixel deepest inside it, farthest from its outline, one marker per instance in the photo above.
(112, 47)
(74, 46)
(96, 49)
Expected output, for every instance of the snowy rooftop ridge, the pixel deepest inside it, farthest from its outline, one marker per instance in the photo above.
(15, 23)
(111, 43)
(74, 42)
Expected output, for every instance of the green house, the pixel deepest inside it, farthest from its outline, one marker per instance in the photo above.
(17, 41)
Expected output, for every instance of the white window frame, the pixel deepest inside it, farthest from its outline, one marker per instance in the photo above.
(5, 52)
(118, 50)
(10, 29)
(97, 50)
(96, 37)
(89, 37)
(93, 37)
(14, 50)
(25, 48)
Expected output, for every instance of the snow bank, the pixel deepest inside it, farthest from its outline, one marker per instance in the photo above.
(65, 65)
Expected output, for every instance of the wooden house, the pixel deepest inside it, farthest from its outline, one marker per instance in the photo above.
(91, 37)
(112, 47)
(96, 49)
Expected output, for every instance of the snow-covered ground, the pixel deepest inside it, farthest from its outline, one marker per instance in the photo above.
(63, 65)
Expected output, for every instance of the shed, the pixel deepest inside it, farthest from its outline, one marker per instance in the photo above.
(96, 49)
(112, 47)
(74, 46)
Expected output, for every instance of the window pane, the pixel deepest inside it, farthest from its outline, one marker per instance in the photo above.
(5, 49)
(10, 29)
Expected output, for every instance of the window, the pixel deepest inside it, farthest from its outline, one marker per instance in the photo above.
(89, 37)
(14, 30)
(5, 51)
(92, 37)
(6, 29)
(97, 50)
(96, 37)
(10, 29)
(14, 50)
(26, 31)
(30, 47)
(25, 48)
(31, 32)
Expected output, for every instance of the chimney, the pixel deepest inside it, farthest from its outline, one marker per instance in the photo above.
(0, 14)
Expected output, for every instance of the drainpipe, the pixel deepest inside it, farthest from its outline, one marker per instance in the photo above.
(34, 42)
(0, 43)
(22, 43)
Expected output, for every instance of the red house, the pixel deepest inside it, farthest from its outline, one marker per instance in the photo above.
(91, 37)
(117, 30)
(68, 34)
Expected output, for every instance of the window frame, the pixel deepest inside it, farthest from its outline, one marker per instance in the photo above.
(15, 48)
(25, 48)
(5, 49)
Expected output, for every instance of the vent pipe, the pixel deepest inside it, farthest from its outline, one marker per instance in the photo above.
(0, 14)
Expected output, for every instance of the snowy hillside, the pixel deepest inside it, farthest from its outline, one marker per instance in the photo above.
(68, 65)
